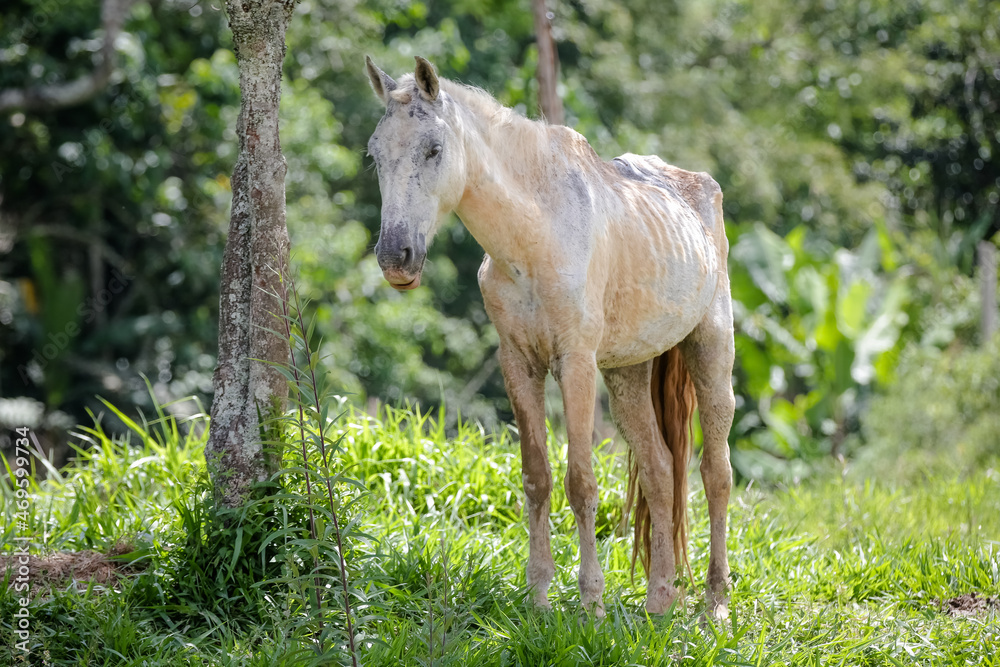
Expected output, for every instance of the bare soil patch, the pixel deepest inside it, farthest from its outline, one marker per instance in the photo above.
(60, 568)
(969, 604)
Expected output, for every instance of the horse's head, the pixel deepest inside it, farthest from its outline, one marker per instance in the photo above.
(420, 165)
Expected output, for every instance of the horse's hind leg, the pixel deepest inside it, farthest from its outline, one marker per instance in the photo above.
(576, 373)
(526, 390)
(709, 353)
(632, 412)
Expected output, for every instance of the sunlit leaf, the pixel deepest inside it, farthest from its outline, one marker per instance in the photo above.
(766, 257)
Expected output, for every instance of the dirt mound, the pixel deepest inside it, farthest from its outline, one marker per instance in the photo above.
(969, 604)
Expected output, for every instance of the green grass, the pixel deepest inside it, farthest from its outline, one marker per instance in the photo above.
(840, 572)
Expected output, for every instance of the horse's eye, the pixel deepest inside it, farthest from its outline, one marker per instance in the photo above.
(434, 151)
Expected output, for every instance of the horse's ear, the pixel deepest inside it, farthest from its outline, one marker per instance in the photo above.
(381, 82)
(427, 80)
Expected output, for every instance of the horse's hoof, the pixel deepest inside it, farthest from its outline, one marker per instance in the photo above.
(594, 608)
(717, 603)
(660, 599)
(541, 602)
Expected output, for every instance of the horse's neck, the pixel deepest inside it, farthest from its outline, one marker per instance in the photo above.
(507, 192)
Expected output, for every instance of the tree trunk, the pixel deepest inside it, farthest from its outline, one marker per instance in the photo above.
(255, 256)
(548, 65)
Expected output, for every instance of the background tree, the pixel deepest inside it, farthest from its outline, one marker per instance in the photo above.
(110, 239)
(44, 97)
(548, 65)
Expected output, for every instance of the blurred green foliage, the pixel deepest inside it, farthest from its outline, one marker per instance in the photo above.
(855, 143)
(112, 210)
(943, 413)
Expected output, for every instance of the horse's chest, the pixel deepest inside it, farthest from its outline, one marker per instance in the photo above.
(541, 318)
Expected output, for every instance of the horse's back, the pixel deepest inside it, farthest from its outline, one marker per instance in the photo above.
(668, 247)
(697, 189)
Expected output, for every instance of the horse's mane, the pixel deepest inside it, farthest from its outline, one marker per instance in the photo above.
(482, 104)
(491, 117)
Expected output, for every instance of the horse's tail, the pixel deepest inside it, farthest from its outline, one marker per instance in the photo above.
(674, 403)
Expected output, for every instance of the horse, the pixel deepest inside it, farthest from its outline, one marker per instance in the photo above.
(613, 266)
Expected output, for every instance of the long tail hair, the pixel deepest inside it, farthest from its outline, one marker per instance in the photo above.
(674, 402)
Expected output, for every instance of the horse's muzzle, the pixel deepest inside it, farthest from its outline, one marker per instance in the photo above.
(401, 281)
(401, 266)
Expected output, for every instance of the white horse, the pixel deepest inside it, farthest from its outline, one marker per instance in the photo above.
(590, 265)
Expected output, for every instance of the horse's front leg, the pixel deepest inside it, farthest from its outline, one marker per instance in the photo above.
(577, 375)
(525, 384)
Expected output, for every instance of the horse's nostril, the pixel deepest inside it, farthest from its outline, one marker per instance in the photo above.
(405, 255)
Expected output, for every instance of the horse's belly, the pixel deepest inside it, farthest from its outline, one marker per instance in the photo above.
(643, 320)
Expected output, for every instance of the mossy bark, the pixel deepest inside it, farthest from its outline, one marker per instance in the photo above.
(246, 388)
